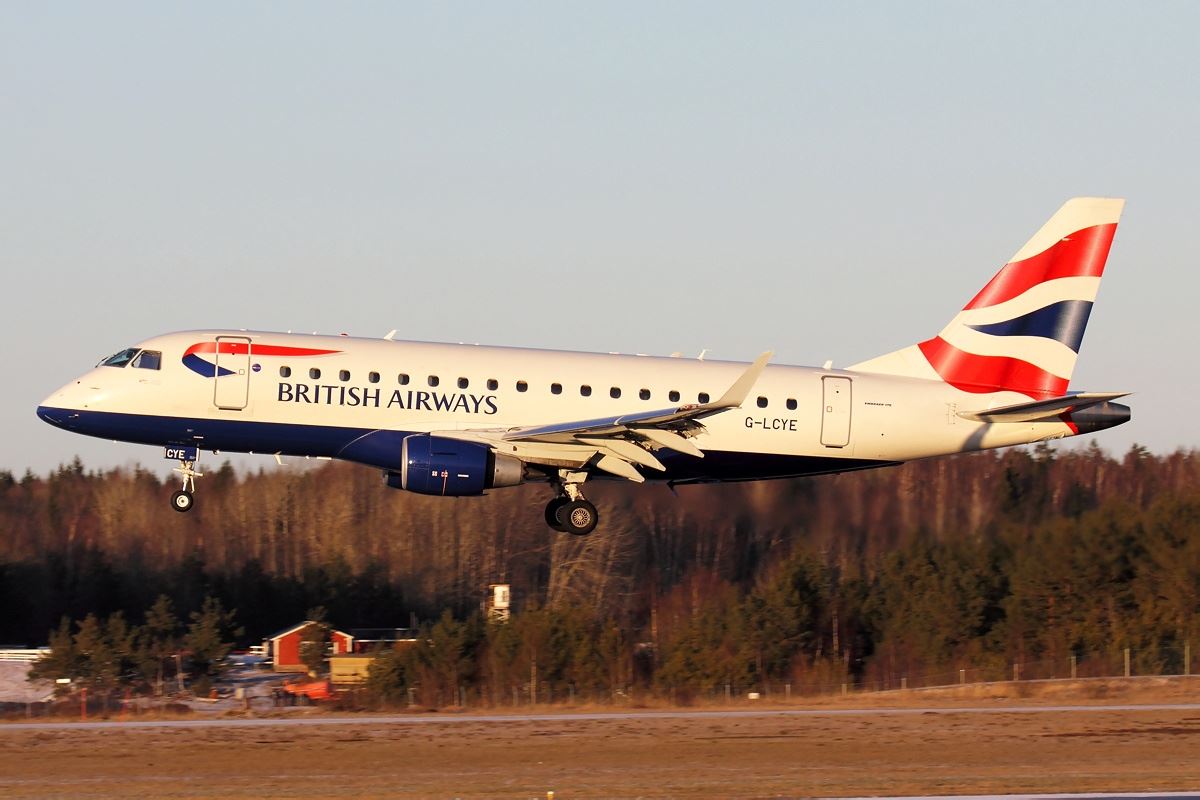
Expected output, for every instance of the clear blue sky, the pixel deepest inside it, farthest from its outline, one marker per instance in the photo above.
(830, 180)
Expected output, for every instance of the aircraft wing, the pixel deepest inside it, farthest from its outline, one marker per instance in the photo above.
(1041, 409)
(618, 444)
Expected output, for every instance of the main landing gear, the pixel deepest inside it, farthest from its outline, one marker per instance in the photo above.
(183, 499)
(570, 512)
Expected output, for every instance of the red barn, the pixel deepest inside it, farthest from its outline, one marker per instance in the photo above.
(284, 647)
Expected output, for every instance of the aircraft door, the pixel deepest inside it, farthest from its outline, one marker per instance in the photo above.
(835, 413)
(231, 385)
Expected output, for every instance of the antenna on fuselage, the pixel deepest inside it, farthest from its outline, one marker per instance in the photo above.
(391, 334)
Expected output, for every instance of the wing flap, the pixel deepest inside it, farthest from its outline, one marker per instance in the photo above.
(669, 440)
(620, 467)
(625, 450)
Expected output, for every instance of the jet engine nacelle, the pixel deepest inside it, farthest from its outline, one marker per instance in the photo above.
(452, 468)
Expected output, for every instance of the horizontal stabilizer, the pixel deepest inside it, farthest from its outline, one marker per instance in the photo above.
(1042, 409)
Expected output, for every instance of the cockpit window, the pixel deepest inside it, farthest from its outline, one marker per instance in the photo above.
(148, 359)
(120, 359)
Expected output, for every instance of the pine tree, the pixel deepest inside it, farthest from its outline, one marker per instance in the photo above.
(208, 641)
(158, 640)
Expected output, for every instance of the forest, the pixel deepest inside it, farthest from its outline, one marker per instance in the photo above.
(1035, 557)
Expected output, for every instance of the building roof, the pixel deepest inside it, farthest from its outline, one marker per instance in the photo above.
(302, 625)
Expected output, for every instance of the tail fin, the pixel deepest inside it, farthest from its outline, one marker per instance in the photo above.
(1022, 332)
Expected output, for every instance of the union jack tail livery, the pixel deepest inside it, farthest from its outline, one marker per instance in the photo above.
(1022, 332)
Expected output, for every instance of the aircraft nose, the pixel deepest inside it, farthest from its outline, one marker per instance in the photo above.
(61, 407)
(50, 414)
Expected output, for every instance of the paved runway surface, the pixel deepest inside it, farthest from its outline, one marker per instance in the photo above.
(1123, 796)
(453, 719)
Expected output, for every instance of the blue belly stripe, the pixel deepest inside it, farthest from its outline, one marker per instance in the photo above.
(381, 448)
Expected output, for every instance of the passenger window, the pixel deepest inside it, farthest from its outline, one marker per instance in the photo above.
(673, 396)
(314, 373)
(285, 372)
(791, 404)
(493, 384)
(373, 377)
(463, 383)
(585, 391)
(702, 397)
(344, 375)
(762, 402)
(148, 359)
(614, 392)
(402, 379)
(522, 386)
(556, 388)
(644, 394)
(433, 380)
(119, 359)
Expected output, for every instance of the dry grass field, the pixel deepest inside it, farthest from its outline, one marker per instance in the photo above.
(764, 756)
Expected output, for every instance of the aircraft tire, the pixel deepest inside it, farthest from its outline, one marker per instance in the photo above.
(182, 501)
(552, 509)
(578, 517)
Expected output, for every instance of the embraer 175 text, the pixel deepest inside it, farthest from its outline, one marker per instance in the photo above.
(457, 420)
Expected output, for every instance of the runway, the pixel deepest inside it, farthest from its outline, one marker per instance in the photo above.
(567, 717)
(1093, 796)
(982, 751)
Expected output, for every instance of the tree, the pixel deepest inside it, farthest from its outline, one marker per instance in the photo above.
(158, 639)
(63, 660)
(208, 641)
(314, 643)
(446, 656)
(388, 677)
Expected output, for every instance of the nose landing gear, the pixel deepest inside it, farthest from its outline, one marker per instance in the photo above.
(570, 512)
(183, 500)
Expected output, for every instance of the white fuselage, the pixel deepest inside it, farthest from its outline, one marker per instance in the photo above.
(796, 420)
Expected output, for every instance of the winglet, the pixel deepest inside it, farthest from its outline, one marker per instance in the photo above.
(736, 393)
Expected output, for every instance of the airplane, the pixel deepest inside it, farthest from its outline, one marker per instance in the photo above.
(459, 420)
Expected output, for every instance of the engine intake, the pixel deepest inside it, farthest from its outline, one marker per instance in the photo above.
(453, 468)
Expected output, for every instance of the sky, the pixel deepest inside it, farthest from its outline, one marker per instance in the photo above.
(832, 181)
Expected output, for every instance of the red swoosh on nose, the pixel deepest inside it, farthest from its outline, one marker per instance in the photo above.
(243, 348)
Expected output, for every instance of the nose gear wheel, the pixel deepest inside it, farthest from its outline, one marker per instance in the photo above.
(183, 499)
